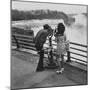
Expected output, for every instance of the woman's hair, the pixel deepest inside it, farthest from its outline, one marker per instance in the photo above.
(60, 29)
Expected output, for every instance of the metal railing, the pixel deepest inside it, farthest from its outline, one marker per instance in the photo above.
(24, 41)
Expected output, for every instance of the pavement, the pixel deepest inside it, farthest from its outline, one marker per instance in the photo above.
(24, 75)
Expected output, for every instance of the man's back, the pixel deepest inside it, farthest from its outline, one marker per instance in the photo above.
(40, 39)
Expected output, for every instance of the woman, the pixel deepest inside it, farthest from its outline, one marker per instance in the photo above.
(62, 45)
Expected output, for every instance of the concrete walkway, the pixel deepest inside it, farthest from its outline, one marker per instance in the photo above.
(23, 75)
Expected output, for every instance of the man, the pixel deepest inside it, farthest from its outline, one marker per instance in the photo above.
(39, 41)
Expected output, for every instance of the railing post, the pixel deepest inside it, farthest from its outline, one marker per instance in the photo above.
(51, 64)
(50, 52)
(16, 42)
(68, 56)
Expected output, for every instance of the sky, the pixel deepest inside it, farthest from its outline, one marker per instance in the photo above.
(67, 8)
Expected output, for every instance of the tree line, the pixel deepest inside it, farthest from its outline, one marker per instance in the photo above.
(37, 14)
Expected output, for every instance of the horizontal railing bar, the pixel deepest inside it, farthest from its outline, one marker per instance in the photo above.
(66, 56)
(13, 40)
(73, 48)
(28, 47)
(78, 44)
(78, 54)
(22, 36)
(32, 45)
(52, 44)
(71, 57)
(13, 44)
(85, 64)
(26, 41)
(29, 44)
(78, 49)
(78, 59)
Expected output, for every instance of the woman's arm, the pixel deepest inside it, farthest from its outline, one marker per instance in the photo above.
(65, 38)
(55, 38)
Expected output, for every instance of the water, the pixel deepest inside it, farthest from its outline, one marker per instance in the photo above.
(77, 32)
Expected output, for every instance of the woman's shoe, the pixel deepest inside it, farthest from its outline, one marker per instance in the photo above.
(60, 71)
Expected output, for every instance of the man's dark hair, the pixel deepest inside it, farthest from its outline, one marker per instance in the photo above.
(46, 26)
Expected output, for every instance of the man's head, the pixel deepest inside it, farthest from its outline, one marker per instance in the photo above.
(49, 29)
(46, 26)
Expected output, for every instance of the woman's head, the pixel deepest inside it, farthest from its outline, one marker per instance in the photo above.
(60, 28)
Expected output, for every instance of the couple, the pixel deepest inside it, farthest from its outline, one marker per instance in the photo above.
(60, 39)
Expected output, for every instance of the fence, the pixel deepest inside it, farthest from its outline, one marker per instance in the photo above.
(25, 41)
